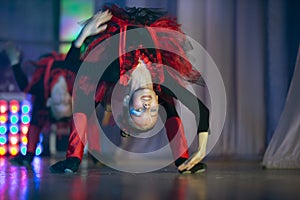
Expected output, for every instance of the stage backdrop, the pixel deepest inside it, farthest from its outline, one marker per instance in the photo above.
(254, 44)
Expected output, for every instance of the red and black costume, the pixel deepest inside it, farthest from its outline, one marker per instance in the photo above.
(116, 73)
(48, 69)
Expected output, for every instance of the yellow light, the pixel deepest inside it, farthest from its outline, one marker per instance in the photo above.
(14, 109)
(3, 119)
(2, 150)
(14, 106)
(13, 150)
(24, 140)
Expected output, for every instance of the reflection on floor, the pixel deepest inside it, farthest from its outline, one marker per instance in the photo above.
(223, 180)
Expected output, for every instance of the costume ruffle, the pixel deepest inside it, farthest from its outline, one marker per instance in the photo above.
(162, 30)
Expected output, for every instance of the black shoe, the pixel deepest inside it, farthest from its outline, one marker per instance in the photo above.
(198, 168)
(179, 161)
(58, 167)
(20, 160)
(68, 166)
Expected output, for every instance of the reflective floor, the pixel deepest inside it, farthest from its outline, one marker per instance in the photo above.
(222, 180)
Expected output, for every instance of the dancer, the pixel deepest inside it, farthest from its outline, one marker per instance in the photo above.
(50, 89)
(144, 93)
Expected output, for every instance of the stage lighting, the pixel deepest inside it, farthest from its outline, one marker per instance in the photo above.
(14, 106)
(24, 128)
(39, 150)
(13, 139)
(24, 140)
(3, 118)
(14, 129)
(23, 149)
(26, 107)
(15, 118)
(3, 139)
(3, 129)
(13, 149)
(25, 119)
(3, 106)
(2, 150)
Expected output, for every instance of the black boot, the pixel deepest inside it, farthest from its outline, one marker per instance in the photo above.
(70, 165)
(20, 160)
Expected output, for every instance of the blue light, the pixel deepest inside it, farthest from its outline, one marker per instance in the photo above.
(41, 138)
(14, 119)
(3, 140)
(14, 129)
(25, 109)
(3, 129)
(39, 150)
(25, 119)
(26, 106)
(23, 150)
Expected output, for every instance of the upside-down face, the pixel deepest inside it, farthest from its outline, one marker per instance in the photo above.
(60, 100)
(143, 108)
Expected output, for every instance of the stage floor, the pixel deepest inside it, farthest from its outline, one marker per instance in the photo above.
(222, 180)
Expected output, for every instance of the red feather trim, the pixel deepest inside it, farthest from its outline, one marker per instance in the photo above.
(163, 38)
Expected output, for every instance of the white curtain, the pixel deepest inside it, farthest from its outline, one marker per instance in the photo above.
(284, 148)
(233, 34)
(253, 44)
